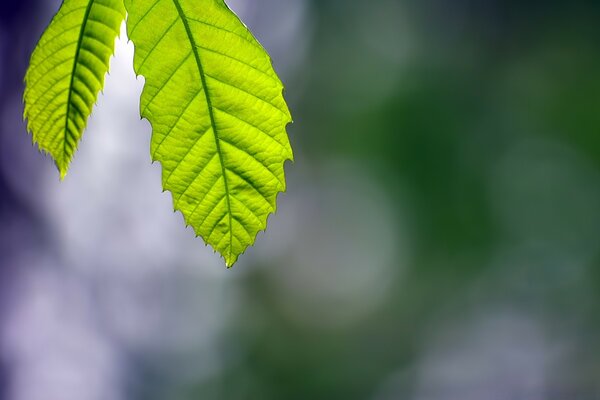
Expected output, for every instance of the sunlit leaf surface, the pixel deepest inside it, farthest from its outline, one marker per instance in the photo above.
(66, 73)
(218, 117)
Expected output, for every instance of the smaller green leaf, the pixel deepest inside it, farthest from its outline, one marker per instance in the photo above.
(66, 73)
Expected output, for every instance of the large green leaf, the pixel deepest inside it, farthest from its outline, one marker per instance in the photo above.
(66, 73)
(218, 117)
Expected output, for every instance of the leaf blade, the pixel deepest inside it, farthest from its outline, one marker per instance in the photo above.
(66, 73)
(218, 117)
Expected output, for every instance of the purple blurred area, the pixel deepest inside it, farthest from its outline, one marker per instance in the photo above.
(439, 239)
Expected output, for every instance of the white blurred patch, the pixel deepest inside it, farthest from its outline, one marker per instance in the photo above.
(335, 247)
(158, 289)
(51, 341)
(493, 354)
(496, 355)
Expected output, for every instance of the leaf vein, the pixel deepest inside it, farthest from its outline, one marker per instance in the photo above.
(75, 61)
(174, 125)
(253, 186)
(251, 125)
(143, 17)
(162, 86)
(254, 44)
(244, 63)
(210, 112)
(247, 93)
(187, 153)
(160, 39)
(252, 156)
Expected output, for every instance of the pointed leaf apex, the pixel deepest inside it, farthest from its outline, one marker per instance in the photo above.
(63, 174)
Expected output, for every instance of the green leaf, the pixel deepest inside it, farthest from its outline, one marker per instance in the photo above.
(66, 73)
(218, 117)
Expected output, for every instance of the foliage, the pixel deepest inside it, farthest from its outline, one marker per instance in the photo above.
(211, 95)
(66, 73)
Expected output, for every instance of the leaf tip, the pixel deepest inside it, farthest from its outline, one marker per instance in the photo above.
(230, 260)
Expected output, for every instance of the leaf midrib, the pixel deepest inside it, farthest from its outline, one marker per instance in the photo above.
(212, 120)
(88, 10)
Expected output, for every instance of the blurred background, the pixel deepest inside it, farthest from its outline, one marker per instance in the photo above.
(440, 237)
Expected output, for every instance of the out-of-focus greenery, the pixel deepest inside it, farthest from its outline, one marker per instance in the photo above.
(440, 238)
(482, 121)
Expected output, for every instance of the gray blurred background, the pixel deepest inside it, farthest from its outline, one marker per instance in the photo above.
(440, 237)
